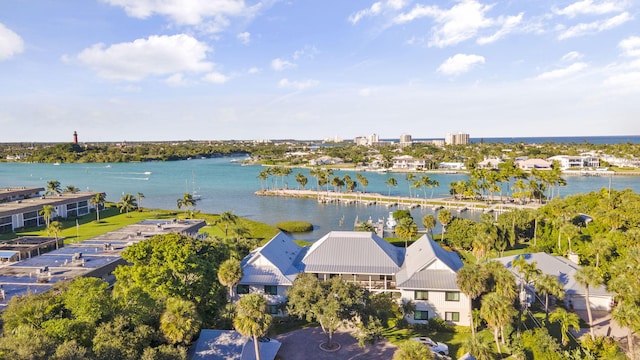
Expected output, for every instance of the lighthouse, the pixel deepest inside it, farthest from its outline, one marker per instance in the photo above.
(75, 137)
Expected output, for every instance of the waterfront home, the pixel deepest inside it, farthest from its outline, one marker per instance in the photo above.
(451, 166)
(530, 164)
(564, 270)
(567, 162)
(407, 162)
(490, 163)
(424, 273)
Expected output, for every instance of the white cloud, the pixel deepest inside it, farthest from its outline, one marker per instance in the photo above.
(253, 70)
(244, 37)
(10, 43)
(595, 26)
(176, 80)
(461, 22)
(281, 64)
(588, 7)
(298, 85)
(307, 52)
(211, 13)
(572, 56)
(216, 78)
(157, 55)
(509, 24)
(376, 8)
(564, 72)
(460, 63)
(366, 91)
(630, 46)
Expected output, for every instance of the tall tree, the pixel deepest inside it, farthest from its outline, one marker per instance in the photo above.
(480, 347)
(406, 229)
(471, 280)
(53, 187)
(230, 274)
(251, 318)
(47, 213)
(549, 285)
(626, 314)
(127, 203)
(71, 189)
(140, 197)
(429, 222)
(566, 320)
(187, 201)
(445, 217)
(497, 311)
(391, 182)
(179, 322)
(98, 201)
(363, 181)
(588, 276)
(301, 180)
(54, 228)
(226, 218)
(412, 350)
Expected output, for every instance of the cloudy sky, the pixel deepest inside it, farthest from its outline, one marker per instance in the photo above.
(310, 69)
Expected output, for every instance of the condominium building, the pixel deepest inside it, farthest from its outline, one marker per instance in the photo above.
(456, 139)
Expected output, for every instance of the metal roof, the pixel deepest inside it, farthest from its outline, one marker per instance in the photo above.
(557, 266)
(428, 266)
(273, 263)
(348, 252)
(230, 345)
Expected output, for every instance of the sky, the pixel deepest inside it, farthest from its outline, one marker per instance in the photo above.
(145, 70)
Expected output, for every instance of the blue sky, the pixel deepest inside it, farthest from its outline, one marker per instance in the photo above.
(118, 70)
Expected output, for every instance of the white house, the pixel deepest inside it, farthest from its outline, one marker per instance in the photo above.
(408, 162)
(565, 270)
(428, 278)
(529, 164)
(424, 273)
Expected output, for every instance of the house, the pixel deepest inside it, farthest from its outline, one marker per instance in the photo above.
(565, 270)
(491, 163)
(230, 345)
(451, 166)
(270, 270)
(530, 164)
(408, 162)
(586, 160)
(424, 273)
(428, 279)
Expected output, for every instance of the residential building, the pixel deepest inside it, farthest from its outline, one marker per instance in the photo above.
(456, 139)
(564, 270)
(530, 164)
(230, 345)
(451, 166)
(424, 272)
(491, 163)
(405, 140)
(408, 162)
(568, 162)
(632, 162)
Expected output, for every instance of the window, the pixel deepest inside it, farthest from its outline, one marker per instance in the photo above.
(273, 309)
(421, 315)
(383, 277)
(243, 289)
(453, 296)
(271, 289)
(421, 295)
(452, 316)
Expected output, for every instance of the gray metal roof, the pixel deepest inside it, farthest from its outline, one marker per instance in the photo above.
(230, 345)
(280, 255)
(557, 266)
(429, 266)
(349, 252)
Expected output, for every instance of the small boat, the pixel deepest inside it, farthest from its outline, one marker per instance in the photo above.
(56, 163)
(391, 222)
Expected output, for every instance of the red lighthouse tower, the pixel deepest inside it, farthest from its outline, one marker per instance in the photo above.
(75, 137)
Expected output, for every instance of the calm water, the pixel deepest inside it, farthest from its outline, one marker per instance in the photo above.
(228, 186)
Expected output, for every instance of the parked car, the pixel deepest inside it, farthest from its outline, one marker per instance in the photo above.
(436, 347)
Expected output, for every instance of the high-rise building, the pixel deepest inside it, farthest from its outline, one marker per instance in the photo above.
(405, 140)
(456, 139)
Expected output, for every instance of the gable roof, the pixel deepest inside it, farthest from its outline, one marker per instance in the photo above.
(230, 345)
(428, 266)
(273, 263)
(351, 252)
(558, 266)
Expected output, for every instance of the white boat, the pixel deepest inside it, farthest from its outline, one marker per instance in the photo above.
(391, 222)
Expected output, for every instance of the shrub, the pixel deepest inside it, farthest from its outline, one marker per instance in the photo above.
(295, 226)
(439, 325)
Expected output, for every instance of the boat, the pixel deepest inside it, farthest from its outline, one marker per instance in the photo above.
(391, 222)
(56, 163)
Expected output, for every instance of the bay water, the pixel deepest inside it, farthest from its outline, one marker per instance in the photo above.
(223, 185)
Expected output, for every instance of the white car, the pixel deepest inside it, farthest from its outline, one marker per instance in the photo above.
(436, 347)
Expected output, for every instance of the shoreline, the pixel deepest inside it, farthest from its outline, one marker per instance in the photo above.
(367, 199)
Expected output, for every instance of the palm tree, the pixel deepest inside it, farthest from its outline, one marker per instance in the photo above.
(391, 182)
(54, 228)
(363, 181)
(251, 318)
(47, 212)
(478, 347)
(127, 203)
(412, 350)
(497, 312)
(264, 178)
(410, 178)
(626, 314)
(71, 189)
(471, 280)
(140, 197)
(98, 200)
(549, 285)
(445, 217)
(230, 274)
(429, 222)
(301, 180)
(53, 187)
(406, 229)
(365, 226)
(186, 201)
(179, 322)
(566, 320)
(226, 218)
(588, 276)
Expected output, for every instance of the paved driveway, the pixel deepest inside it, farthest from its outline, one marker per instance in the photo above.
(304, 344)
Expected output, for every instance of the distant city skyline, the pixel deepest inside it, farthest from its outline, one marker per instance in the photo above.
(116, 70)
